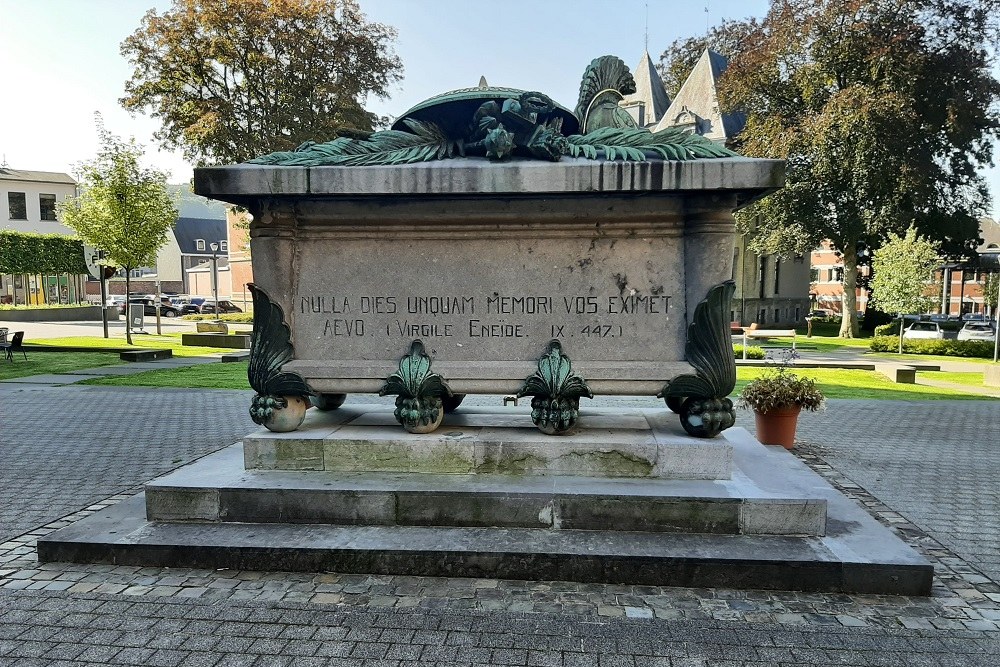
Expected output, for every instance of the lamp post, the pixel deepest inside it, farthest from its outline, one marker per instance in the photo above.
(215, 276)
(122, 198)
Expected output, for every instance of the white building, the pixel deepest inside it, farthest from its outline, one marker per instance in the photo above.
(29, 200)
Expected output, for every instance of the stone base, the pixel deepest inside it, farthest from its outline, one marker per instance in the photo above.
(856, 554)
(366, 438)
(991, 376)
(235, 341)
(217, 488)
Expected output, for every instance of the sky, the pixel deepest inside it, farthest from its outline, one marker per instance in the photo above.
(60, 61)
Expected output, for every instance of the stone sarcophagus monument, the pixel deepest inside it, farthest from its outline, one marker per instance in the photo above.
(493, 242)
(511, 238)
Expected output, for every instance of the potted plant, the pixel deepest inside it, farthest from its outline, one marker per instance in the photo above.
(776, 398)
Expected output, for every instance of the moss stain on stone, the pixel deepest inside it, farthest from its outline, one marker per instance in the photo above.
(610, 464)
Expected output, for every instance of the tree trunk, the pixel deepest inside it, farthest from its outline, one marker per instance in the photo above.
(128, 321)
(849, 300)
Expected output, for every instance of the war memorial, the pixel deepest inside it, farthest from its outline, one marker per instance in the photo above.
(494, 242)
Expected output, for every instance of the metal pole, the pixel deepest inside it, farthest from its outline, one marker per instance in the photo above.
(215, 279)
(159, 300)
(104, 302)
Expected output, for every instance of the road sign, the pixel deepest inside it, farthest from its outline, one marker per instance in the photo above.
(94, 259)
(135, 316)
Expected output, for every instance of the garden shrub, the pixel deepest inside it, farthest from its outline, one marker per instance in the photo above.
(753, 352)
(888, 329)
(952, 348)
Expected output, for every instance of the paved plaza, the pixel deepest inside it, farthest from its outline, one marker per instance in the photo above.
(926, 468)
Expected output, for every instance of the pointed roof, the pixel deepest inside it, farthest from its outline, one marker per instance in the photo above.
(700, 96)
(649, 90)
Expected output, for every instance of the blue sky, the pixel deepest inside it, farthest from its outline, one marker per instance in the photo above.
(59, 60)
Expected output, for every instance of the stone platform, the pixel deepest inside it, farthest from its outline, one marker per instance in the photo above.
(773, 524)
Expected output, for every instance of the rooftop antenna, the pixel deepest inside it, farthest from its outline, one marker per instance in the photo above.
(647, 26)
(707, 19)
(3, 162)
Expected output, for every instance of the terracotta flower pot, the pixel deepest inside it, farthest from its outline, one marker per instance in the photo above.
(777, 427)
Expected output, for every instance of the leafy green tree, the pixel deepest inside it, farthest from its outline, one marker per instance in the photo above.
(903, 274)
(991, 292)
(884, 111)
(231, 80)
(123, 208)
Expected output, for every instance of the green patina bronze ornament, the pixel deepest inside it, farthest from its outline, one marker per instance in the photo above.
(556, 392)
(606, 82)
(500, 123)
(702, 398)
(280, 402)
(419, 392)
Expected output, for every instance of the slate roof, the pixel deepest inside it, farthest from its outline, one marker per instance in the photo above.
(8, 174)
(649, 90)
(699, 95)
(188, 230)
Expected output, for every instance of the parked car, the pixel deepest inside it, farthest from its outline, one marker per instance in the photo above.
(149, 308)
(924, 330)
(819, 314)
(973, 317)
(208, 307)
(976, 331)
(191, 306)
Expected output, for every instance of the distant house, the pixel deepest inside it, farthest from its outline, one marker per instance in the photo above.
(29, 199)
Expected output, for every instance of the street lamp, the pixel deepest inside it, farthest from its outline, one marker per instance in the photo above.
(215, 276)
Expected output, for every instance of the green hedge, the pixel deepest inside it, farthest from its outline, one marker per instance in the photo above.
(228, 317)
(21, 252)
(753, 352)
(952, 348)
(889, 329)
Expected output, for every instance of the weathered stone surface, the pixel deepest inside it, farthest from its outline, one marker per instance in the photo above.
(630, 444)
(486, 262)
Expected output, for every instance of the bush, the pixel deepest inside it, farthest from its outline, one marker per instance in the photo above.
(889, 329)
(753, 352)
(952, 348)
(228, 317)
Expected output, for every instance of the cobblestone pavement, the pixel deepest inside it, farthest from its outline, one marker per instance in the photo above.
(55, 614)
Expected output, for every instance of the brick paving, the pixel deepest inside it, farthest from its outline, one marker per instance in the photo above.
(910, 464)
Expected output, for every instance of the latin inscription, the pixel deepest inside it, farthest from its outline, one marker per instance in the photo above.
(481, 316)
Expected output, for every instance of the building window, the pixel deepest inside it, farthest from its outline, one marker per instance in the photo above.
(761, 276)
(837, 274)
(777, 315)
(798, 313)
(199, 244)
(223, 246)
(17, 205)
(814, 275)
(777, 275)
(47, 206)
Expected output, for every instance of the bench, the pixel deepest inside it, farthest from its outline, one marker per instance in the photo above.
(763, 334)
(212, 327)
(145, 355)
(898, 373)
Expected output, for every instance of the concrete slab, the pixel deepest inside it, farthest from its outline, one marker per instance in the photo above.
(366, 438)
(217, 488)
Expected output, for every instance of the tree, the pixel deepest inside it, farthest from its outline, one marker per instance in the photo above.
(234, 79)
(991, 292)
(903, 271)
(884, 111)
(123, 208)
(677, 61)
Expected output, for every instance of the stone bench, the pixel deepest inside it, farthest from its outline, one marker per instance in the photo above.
(764, 334)
(235, 341)
(898, 373)
(212, 327)
(145, 355)
(233, 357)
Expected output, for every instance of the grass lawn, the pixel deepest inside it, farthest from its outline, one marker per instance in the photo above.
(202, 376)
(40, 363)
(834, 383)
(167, 341)
(969, 379)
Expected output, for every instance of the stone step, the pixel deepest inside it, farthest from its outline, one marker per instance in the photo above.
(883, 565)
(217, 488)
(640, 443)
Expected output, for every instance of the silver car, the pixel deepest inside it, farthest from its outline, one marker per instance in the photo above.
(976, 331)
